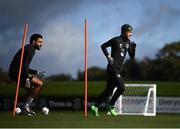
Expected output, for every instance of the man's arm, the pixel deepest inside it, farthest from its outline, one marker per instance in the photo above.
(25, 68)
(104, 47)
(132, 49)
(32, 71)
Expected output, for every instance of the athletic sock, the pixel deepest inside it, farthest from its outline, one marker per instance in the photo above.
(28, 101)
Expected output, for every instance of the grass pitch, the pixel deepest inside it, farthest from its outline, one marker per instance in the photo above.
(94, 88)
(77, 120)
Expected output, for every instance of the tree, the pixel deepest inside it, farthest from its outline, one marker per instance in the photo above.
(171, 50)
(131, 70)
(60, 77)
(94, 74)
(4, 77)
(80, 75)
(166, 66)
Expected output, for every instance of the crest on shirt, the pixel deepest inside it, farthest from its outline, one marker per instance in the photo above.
(120, 45)
(127, 46)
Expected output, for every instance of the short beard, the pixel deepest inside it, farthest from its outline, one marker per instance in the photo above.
(38, 47)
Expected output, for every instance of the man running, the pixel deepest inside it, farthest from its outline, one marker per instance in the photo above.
(119, 47)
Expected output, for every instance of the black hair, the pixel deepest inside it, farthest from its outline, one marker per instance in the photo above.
(35, 37)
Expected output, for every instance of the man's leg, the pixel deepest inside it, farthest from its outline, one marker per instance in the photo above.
(33, 93)
(105, 95)
(118, 92)
(38, 84)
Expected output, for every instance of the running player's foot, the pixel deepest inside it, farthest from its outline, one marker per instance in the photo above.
(112, 110)
(28, 111)
(95, 110)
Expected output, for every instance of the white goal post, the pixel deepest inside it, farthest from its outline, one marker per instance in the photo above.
(137, 99)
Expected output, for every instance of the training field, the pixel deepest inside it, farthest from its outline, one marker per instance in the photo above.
(77, 119)
(94, 88)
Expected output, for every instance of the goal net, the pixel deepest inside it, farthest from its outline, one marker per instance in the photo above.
(137, 99)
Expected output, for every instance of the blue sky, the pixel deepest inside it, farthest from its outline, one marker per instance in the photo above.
(155, 23)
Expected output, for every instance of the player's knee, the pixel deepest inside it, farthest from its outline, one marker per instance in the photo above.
(40, 83)
(120, 90)
(37, 82)
(120, 85)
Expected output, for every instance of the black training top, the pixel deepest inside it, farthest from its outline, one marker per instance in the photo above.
(119, 47)
(29, 52)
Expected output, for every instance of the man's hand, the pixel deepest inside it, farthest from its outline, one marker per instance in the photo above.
(28, 83)
(40, 74)
(110, 60)
(133, 45)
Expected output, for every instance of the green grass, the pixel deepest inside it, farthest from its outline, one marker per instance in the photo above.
(94, 88)
(77, 120)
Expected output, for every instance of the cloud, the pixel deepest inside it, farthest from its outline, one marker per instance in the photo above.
(63, 48)
(156, 18)
(60, 22)
(37, 13)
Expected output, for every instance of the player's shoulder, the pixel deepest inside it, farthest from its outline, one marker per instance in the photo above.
(118, 39)
(28, 47)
